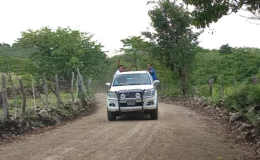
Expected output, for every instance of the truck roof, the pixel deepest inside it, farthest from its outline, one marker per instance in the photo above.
(131, 72)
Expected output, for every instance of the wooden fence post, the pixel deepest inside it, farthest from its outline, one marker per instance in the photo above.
(77, 86)
(46, 92)
(82, 84)
(81, 88)
(24, 98)
(71, 88)
(12, 85)
(57, 90)
(4, 96)
(210, 82)
(221, 88)
(34, 101)
(84, 88)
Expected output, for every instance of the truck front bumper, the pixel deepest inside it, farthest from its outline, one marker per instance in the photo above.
(148, 104)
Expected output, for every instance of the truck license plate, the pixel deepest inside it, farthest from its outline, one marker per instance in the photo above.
(130, 102)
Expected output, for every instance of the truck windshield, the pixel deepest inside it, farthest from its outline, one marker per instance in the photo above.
(132, 79)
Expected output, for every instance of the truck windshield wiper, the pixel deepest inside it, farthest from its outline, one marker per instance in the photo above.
(134, 84)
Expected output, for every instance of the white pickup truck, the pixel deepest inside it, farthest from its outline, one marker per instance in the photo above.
(132, 92)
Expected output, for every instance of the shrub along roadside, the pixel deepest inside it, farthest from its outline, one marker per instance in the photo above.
(246, 101)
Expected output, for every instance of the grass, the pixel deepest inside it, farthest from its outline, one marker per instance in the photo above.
(65, 98)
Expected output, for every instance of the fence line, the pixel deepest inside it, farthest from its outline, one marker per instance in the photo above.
(30, 93)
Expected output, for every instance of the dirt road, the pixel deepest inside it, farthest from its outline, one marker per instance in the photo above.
(178, 134)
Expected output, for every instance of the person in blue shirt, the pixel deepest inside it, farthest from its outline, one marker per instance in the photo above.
(151, 71)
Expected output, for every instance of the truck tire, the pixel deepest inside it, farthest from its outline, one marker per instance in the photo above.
(154, 113)
(111, 116)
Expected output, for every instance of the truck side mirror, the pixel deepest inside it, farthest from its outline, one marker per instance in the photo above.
(156, 82)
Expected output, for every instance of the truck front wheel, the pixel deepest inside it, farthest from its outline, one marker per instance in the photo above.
(111, 116)
(154, 114)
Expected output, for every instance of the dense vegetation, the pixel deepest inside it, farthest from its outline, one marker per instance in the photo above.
(232, 73)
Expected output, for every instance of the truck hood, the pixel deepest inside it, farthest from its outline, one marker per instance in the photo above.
(117, 88)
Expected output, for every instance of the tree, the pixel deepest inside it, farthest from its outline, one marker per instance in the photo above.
(174, 38)
(63, 50)
(225, 49)
(136, 47)
(15, 45)
(209, 11)
(6, 45)
(136, 44)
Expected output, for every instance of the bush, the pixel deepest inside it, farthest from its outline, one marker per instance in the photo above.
(247, 95)
(254, 96)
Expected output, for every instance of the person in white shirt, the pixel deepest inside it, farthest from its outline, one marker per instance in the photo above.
(122, 69)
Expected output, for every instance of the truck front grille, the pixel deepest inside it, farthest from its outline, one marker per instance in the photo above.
(125, 104)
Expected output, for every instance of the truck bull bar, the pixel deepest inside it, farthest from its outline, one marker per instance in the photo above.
(130, 95)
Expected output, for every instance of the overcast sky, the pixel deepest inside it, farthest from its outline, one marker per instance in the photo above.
(110, 21)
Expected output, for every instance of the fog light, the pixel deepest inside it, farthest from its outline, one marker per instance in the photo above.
(137, 95)
(122, 96)
(150, 103)
(112, 104)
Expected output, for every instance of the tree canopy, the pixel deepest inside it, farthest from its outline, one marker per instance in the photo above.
(63, 51)
(173, 37)
(137, 45)
(208, 11)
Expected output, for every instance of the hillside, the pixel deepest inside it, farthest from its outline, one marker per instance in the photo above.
(18, 60)
(241, 64)
(16, 52)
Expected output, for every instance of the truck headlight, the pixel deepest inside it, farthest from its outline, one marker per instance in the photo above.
(149, 93)
(111, 94)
